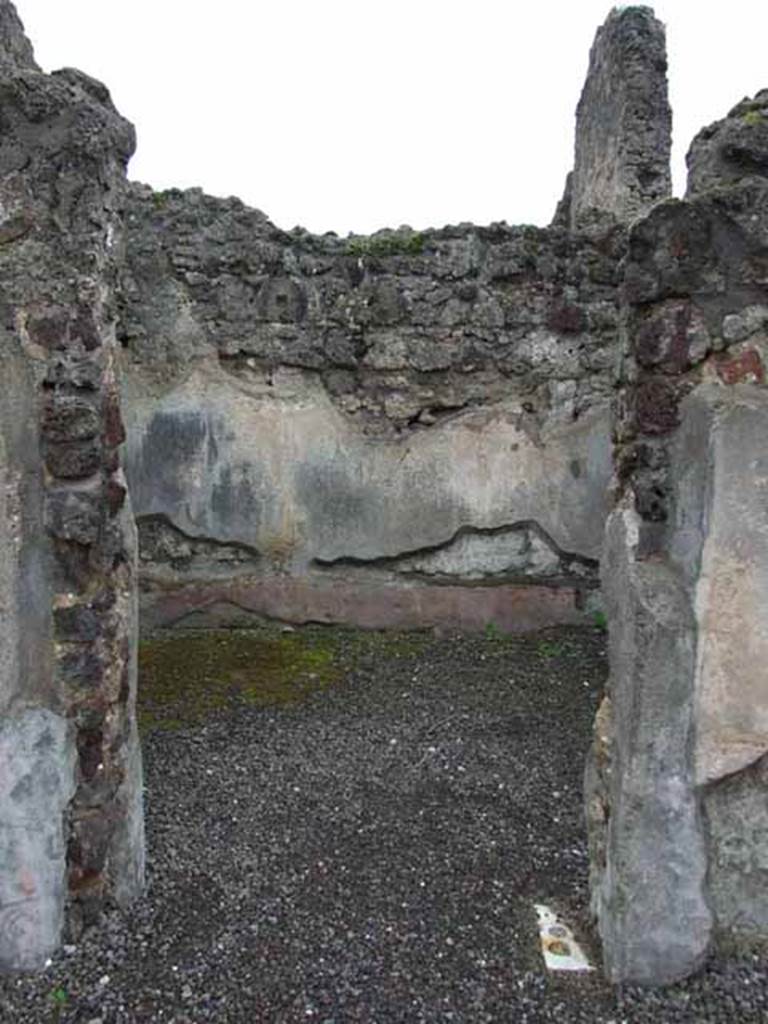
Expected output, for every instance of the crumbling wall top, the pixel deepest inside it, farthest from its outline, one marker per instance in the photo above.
(15, 48)
(623, 123)
(726, 152)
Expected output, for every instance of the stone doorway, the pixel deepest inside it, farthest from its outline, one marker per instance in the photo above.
(445, 418)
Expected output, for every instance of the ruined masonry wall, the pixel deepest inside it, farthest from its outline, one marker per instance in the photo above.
(677, 784)
(410, 429)
(402, 430)
(71, 837)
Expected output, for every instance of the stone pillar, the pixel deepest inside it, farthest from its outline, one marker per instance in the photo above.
(676, 787)
(623, 125)
(71, 838)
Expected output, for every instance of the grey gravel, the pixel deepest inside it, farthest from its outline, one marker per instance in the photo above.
(373, 854)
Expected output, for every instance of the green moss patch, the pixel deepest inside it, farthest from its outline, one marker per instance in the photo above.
(753, 118)
(185, 676)
(387, 243)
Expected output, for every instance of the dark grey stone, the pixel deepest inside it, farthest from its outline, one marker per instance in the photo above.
(736, 810)
(623, 124)
(652, 908)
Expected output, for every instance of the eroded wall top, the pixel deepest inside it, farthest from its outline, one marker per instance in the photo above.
(623, 123)
(728, 151)
(381, 405)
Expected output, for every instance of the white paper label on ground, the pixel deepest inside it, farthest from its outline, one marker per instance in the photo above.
(561, 951)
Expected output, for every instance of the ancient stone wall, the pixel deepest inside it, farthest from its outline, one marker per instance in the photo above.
(676, 790)
(70, 775)
(408, 429)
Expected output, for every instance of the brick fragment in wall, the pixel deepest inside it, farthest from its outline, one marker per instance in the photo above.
(741, 367)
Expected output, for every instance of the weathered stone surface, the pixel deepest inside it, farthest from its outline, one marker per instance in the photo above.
(650, 898)
(726, 152)
(339, 402)
(287, 477)
(684, 572)
(623, 124)
(401, 329)
(37, 781)
(371, 603)
(15, 49)
(70, 784)
(403, 430)
(732, 587)
(736, 810)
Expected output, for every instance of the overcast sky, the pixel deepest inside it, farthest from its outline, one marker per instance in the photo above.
(352, 115)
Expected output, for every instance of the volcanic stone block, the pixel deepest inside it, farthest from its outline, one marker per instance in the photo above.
(726, 152)
(623, 122)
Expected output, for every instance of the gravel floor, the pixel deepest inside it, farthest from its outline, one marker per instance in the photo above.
(371, 853)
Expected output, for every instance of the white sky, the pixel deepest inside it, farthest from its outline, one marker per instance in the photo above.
(351, 115)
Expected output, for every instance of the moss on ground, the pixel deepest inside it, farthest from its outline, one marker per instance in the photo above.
(187, 675)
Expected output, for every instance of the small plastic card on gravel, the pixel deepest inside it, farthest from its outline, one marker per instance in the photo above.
(561, 950)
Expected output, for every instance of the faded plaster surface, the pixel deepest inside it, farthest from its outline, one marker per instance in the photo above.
(296, 492)
(25, 557)
(288, 475)
(732, 589)
(37, 781)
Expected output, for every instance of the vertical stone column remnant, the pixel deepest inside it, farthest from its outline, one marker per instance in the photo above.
(70, 772)
(676, 785)
(623, 124)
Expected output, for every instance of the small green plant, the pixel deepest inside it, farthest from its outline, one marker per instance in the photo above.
(163, 197)
(492, 631)
(550, 649)
(394, 243)
(600, 621)
(59, 998)
(752, 118)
